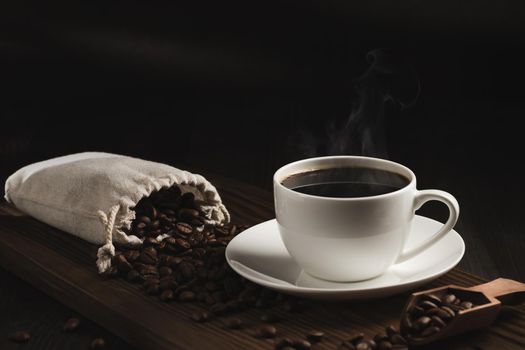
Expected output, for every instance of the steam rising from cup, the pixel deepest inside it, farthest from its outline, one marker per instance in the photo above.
(388, 82)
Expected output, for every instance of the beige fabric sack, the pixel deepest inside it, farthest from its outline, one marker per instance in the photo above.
(90, 195)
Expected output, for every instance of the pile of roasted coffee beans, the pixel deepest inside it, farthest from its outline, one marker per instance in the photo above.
(182, 259)
(430, 314)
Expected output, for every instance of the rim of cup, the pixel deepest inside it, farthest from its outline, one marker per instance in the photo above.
(283, 172)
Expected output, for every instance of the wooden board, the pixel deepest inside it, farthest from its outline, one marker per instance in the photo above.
(63, 267)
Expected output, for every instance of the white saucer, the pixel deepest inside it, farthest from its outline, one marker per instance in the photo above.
(259, 255)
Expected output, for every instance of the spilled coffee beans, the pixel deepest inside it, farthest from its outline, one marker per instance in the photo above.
(390, 339)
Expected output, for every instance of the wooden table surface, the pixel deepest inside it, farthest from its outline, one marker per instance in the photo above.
(24, 307)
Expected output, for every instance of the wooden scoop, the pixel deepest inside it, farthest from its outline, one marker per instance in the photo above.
(487, 299)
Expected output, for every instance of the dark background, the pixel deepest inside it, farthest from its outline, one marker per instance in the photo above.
(231, 88)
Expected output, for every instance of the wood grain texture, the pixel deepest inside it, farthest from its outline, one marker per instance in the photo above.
(63, 267)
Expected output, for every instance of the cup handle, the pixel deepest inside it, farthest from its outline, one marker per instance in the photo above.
(421, 198)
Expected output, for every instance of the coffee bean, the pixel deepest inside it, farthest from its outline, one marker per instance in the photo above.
(152, 289)
(175, 261)
(150, 242)
(346, 345)
(398, 339)
(172, 241)
(466, 304)
(426, 305)
(154, 225)
(71, 325)
(150, 251)
(416, 311)
(430, 331)
(422, 323)
(212, 242)
(315, 335)
(167, 283)
(187, 296)
(165, 271)
(144, 219)
(378, 338)
(218, 308)
(449, 298)
(209, 300)
(449, 311)
(151, 211)
(168, 212)
(201, 316)
(362, 346)
(150, 279)
(233, 305)
(134, 276)
(234, 323)
(186, 269)
(131, 255)
(148, 256)
(149, 271)
(356, 338)
(98, 343)
(384, 345)
(432, 298)
(267, 331)
(167, 295)
(437, 321)
(183, 244)
(301, 344)
(20, 337)
(188, 214)
(184, 228)
(440, 312)
(391, 330)
(283, 343)
(122, 264)
(269, 317)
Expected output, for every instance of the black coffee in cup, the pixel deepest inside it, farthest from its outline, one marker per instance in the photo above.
(346, 182)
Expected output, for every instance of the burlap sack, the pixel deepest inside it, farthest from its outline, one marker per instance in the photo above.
(91, 195)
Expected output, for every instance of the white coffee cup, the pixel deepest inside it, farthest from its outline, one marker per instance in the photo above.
(357, 238)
